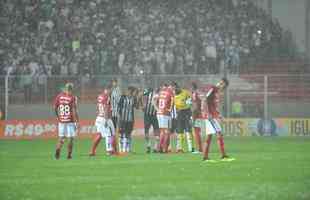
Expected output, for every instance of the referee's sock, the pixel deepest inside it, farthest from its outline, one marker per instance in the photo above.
(180, 142)
(189, 139)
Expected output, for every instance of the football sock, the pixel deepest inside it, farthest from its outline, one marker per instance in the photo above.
(180, 138)
(207, 147)
(128, 146)
(189, 140)
(156, 142)
(167, 142)
(95, 143)
(108, 143)
(198, 138)
(220, 142)
(121, 143)
(161, 141)
(70, 147)
(113, 143)
(147, 139)
(58, 148)
(125, 144)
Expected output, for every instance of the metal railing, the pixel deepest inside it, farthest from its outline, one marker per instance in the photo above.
(248, 95)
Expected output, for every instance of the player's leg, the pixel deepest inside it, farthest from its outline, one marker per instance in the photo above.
(71, 134)
(116, 137)
(147, 125)
(108, 143)
(59, 145)
(61, 139)
(180, 133)
(220, 139)
(167, 134)
(197, 134)
(97, 138)
(161, 122)
(70, 148)
(156, 133)
(186, 119)
(209, 130)
(128, 135)
(96, 142)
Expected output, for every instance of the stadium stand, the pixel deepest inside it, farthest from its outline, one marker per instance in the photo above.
(75, 37)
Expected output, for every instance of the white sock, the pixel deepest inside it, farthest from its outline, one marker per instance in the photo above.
(189, 141)
(125, 144)
(108, 143)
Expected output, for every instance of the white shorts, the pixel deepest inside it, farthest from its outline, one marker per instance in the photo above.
(164, 121)
(105, 127)
(211, 126)
(67, 129)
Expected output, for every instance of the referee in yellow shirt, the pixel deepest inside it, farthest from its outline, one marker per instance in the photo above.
(183, 102)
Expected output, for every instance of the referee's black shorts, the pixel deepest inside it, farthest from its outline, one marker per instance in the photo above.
(125, 127)
(184, 122)
(150, 120)
(173, 125)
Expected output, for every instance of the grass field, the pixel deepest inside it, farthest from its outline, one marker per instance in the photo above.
(265, 168)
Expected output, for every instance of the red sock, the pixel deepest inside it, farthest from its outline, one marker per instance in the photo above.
(113, 144)
(95, 143)
(208, 143)
(70, 147)
(161, 141)
(220, 142)
(198, 138)
(58, 147)
(167, 142)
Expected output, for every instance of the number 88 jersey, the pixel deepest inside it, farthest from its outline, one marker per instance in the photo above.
(65, 105)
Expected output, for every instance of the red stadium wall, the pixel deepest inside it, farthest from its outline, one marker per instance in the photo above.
(47, 129)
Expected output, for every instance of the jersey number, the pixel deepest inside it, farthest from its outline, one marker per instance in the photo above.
(101, 108)
(162, 103)
(64, 110)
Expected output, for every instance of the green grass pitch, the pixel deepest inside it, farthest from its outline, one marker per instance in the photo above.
(265, 168)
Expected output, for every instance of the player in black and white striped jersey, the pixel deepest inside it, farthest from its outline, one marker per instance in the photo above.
(125, 111)
(115, 97)
(150, 119)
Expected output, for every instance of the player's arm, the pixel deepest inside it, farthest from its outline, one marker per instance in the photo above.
(209, 93)
(120, 105)
(171, 103)
(56, 107)
(111, 125)
(155, 102)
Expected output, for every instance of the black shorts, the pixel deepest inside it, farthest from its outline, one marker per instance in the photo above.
(125, 127)
(114, 120)
(173, 125)
(184, 121)
(150, 120)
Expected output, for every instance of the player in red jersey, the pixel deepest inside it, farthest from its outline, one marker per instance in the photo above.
(65, 106)
(196, 100)
(104, 124)
(163, 102)
(211, 115)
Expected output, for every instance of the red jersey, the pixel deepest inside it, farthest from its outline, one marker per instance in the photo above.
(103, 104)
(65, 105)
(210, 106)
(164, 101)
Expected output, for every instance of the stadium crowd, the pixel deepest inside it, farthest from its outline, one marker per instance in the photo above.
(74, 37)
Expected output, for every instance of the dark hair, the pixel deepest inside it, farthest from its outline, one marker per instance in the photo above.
(194, 86)
(225, 81)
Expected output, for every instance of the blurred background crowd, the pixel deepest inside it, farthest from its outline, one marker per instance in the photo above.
(98, 37)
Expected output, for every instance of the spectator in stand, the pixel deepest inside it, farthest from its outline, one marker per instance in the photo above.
(163, 36)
